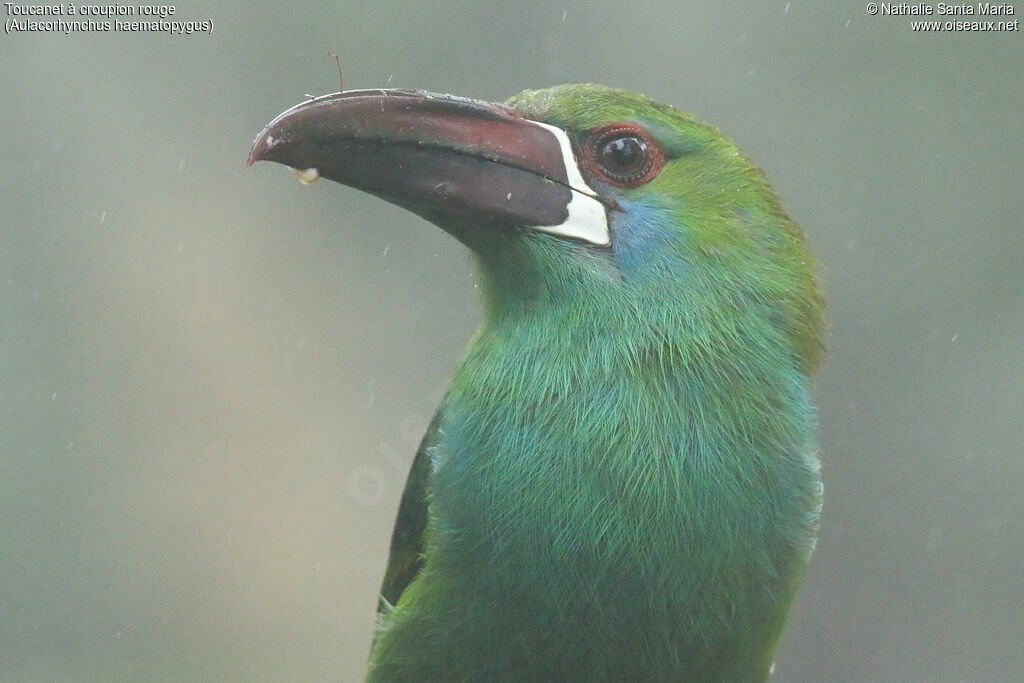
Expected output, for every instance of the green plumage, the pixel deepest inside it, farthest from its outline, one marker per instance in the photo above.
(623, 482)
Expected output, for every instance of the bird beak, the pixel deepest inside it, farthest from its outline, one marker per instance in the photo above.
(452, 160)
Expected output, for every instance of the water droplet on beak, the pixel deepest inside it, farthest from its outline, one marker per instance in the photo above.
(306, 176)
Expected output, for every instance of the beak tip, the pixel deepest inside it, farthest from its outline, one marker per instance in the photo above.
(262, 146)
(257, 152)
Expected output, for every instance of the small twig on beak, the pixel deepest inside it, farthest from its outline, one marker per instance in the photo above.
(341, 80)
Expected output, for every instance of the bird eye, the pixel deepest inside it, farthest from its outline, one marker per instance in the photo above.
(623, 154)
(624, 157)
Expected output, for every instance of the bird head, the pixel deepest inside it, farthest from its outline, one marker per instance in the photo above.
(583, 200)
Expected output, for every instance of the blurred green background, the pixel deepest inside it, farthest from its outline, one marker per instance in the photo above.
(212, 379)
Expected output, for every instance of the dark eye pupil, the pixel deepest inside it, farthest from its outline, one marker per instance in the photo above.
(625, 155)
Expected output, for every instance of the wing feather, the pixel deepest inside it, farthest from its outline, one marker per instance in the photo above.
(407, 544)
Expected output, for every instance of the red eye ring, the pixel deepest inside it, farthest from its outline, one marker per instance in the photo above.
(621, 154)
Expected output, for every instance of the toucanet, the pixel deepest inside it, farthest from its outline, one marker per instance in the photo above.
(622, 482)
